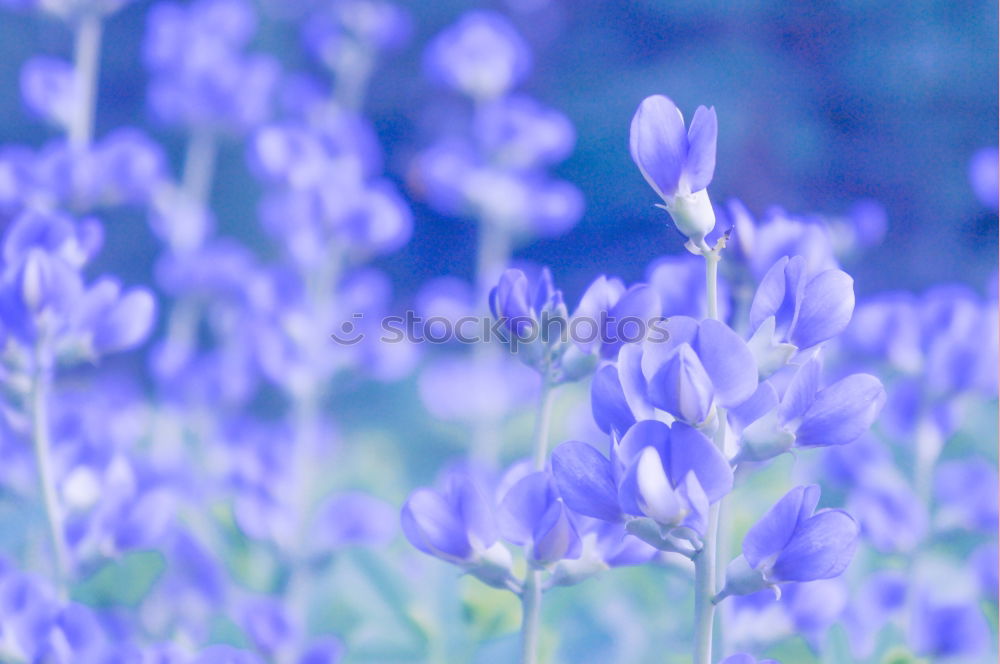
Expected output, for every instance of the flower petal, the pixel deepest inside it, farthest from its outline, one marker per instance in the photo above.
(699, 167)
(774, 530)
(821, 548)
(728, 362)
(827, 306)
(658, 144)
(607, 402)
(690, 451)
(842, 412)
(584, 480)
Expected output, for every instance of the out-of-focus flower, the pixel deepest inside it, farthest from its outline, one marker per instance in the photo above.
(48, 88)
(966, 494)
(344, 35)
(792, 311)
(678, 163)
(743, 658)
(947, 629)
(200, 76)
(353, 518)
(793, 542)
(878, 601)
(458, 524)
(983, 176)
(759, 244)
(69, 10)
(518, 132)
(890, 513)
(480, 55)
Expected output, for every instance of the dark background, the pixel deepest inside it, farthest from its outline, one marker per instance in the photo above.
(819, 103)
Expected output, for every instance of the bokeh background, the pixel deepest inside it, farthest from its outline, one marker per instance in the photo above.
(820, 104)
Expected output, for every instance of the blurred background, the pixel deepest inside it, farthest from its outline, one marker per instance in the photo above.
(820, 104)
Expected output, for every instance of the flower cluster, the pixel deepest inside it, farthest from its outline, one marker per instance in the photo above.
(744, 455)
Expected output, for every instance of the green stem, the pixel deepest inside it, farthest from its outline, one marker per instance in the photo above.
(43, 459)
(492, 254)
(705, 559)
(87, 53)
(199, 165)
(543, 419)
(353, 71)
(531, 593)
(531, 608)
(704, 590)
(712, 259)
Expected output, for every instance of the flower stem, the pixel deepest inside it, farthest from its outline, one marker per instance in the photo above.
(87, 52)
(542, 421)
(492, 254)
(712, 259)
(705, 560)
(199, 165)
(531, 607)
(43, 459)
(531, 593)
(704, 590)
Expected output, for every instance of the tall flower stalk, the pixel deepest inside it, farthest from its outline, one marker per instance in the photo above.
(705, 561)
(41, 441)
(86, 67)
(531, 591)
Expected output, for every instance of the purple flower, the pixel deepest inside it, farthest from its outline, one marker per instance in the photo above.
(545, 337)
(613, 314)
(354, 518)
(984, 562)
(48, 89)
(603, 545)
(480, 55)
(983, 176)
(792, 311)
(336, 34)
(532, 515)
(221, 654)
(743, 658)
(115, 321)
(135, 167)
(69, 9)
(677, 163)
(200, 76)
(759, 244)
(458, 524)
(518, 132)
(666, 475)
(966, 493)
(793, 542)
(267, 623)
(698, 366)
(891, 515)
(945, 629)
(879, 599)
(805, 415)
